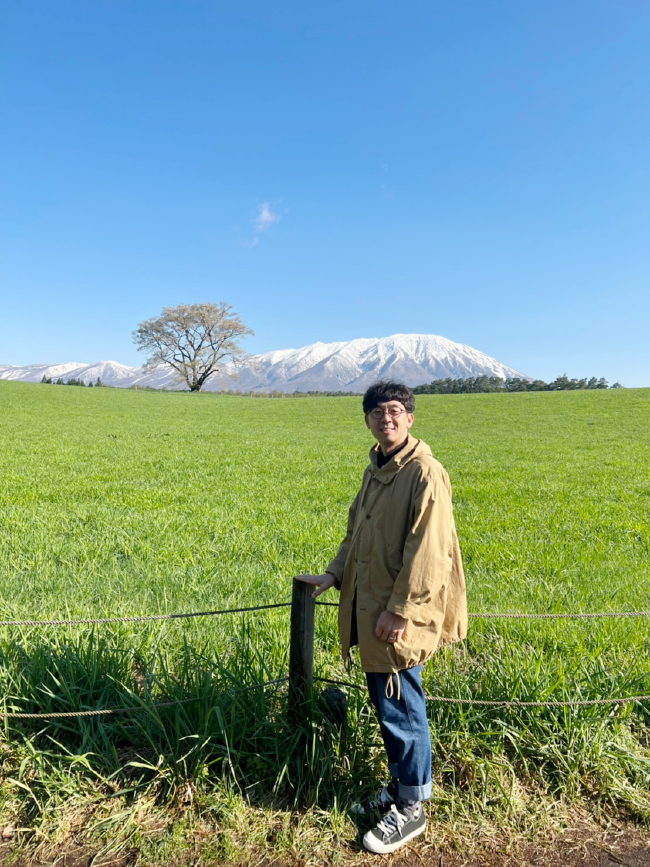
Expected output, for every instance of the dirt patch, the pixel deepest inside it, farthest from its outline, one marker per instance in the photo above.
(68, 856)
(582, 846)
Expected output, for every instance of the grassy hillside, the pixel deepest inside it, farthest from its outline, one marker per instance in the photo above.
(121, 502)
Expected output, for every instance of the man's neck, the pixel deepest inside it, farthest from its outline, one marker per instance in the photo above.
(391, 451)
(386, 456)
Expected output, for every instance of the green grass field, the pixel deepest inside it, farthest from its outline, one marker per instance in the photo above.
(121, 502)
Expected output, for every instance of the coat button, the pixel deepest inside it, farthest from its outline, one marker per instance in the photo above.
(368, 516)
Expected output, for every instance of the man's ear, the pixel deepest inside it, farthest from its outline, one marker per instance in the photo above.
(410, 418)
(365, 418)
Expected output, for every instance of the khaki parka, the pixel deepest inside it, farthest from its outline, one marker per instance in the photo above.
(401, 554)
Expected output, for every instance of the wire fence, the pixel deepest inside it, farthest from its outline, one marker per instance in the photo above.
(133, 708)
(253, 608)
(144, 618)
(442, 699)
(581, 615)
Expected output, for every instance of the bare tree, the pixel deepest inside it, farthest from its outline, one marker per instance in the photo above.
(193, 339)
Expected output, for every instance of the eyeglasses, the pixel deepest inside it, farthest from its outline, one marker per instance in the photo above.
(393, 412)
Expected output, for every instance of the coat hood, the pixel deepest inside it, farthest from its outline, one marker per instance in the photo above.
(414, 448)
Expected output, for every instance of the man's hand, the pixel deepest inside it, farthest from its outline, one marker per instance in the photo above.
(390, 627)
(321, 582)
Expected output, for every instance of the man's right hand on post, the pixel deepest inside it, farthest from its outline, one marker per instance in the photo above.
(321, 582)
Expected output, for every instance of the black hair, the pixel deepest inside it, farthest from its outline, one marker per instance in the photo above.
(385, 390)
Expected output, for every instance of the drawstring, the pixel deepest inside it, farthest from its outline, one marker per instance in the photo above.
(389, 692)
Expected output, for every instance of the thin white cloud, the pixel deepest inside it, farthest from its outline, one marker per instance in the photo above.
(266, 218)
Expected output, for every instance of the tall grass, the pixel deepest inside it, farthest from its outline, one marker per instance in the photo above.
(116, 502)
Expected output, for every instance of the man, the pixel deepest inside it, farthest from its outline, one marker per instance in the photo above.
(402, 595)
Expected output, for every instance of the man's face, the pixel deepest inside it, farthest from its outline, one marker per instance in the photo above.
(389, 423)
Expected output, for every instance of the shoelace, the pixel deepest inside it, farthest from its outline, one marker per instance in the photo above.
(392, 821)
(383, 799)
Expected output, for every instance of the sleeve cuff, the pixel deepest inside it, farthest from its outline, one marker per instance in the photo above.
(337, 582)
(408, 610)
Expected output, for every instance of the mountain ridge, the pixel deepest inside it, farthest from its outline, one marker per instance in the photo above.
(353, 365)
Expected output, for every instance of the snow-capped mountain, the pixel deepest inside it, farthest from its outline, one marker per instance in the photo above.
(351, 366)
(411, 358)
(110, 372)
(35, 372)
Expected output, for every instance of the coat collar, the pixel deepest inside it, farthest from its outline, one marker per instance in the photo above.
(387, 473)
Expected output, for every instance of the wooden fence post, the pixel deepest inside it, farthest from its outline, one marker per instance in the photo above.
(301, 649)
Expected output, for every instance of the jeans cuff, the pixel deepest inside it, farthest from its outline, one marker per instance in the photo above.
(414, 793)
(393, 770)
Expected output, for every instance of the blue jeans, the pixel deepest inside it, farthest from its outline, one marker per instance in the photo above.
(405, 730)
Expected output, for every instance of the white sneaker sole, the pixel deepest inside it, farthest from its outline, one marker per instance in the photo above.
(372, 844)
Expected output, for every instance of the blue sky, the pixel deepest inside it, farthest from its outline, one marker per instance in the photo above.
(479, 170)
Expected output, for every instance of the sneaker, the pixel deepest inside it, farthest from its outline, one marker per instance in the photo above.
(396, 829)
(378, 804)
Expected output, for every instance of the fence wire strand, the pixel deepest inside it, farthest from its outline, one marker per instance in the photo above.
(144, 618)
(141, 618)
(578, 616)
(134, 708)
(516, 703)
(480, 615)
(441, 699)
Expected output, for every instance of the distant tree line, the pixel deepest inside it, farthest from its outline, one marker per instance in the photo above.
(487, 384)
(471, 385)
(72, 381)
(276, 394)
